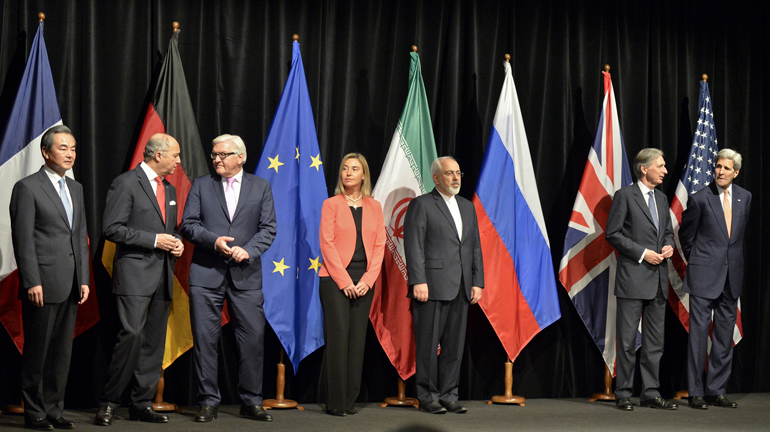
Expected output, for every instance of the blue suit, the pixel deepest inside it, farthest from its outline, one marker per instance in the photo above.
(214, 278)
(714, 280)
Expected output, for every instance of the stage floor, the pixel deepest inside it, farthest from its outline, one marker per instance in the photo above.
(753, 414)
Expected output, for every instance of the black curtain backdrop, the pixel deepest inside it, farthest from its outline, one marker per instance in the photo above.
(237, 56)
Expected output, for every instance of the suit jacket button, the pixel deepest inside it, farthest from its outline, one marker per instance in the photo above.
(461, 263)
(231, 228)
(725, 262)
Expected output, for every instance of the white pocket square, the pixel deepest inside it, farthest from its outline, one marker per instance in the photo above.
(172, 203)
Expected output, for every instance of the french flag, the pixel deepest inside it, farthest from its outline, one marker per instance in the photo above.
(34, 111)
(520, 296)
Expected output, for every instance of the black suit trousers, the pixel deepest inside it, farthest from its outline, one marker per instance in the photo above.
(138, 354)
(439, 322)
(48, 333)
(345, 323)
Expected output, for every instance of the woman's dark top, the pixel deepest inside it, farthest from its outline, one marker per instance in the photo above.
(357, 266)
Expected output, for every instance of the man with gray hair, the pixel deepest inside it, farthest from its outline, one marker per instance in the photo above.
(446, 274)
(229, 217)
(639, 227)
(713, 227)
(140, 218)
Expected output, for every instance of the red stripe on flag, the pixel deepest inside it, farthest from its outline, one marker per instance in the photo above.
(588, 258)
(10, 309)
(502, 301)
(608, 130)
(391, 316)
(151, 126)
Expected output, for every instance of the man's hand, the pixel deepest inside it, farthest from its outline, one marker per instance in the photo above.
(653, 258)
(421, 292)
(221, 246)
(239, 254)
(667, 251)
(361, 288)
(35, 295)
(350, 291)
(475, 295)
(166, 242)
(83, 294)
(178, 249)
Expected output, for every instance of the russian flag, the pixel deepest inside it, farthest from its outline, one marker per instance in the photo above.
(520, 296)
(34, 111)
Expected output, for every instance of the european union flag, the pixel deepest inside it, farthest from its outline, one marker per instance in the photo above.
(291, 162)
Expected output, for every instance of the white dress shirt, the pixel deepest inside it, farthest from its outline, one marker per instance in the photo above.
(454, 210)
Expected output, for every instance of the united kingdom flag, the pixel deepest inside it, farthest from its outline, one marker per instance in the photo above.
(698, 173)
(587, 268)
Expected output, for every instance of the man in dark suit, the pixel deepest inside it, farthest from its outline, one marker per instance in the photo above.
(48, 230)
(639, 227)
(713, 226)
(230, 219)
(140, 218)
(446, 273)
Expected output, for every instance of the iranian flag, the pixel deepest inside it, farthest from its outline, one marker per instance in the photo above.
(405, 175)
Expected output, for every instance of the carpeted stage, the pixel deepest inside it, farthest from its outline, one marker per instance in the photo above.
(753, 414)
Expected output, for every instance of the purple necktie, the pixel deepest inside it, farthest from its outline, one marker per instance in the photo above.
(230, 197)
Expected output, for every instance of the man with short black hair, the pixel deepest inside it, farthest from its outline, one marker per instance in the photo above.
(50, 243)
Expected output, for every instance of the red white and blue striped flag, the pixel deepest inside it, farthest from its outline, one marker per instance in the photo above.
(34, 111)
(698, 173)
(520, 296)
(587, 268)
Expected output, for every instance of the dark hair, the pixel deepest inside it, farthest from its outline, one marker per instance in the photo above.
(46, 142)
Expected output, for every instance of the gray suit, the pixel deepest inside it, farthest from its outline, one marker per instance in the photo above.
(54, 256)
(640, 288)
(436, 255)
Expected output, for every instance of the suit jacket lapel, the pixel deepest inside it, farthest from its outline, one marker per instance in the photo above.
(219, 191)
(661, 204)
(49, 190)
(639, 198)
(716, 207)
(442, 205)
(144, 183)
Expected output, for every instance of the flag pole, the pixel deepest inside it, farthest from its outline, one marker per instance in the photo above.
(684, 394)
(508, 397)
(158, 404)
(280, 379)
(401, 399)
(19, 409)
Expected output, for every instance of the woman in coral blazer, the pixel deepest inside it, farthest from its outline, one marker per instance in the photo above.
(352, 244)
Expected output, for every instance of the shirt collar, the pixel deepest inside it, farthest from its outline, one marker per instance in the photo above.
(447, 198)
(53, 175)
(151, 174)
(721, 190)
(645, 190)
(238, 177)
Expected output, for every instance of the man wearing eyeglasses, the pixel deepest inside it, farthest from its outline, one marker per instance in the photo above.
(230, 219)
(446, 273)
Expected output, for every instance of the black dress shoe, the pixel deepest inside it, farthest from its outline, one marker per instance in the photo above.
(255, 412)
(103, 416)
(698, 402)
(61, 423)
(338, 413)
(146, 414)
(454, 407)
(659, 403)
(351, 411)
(206, 413)
(37, 424)
(624, 404)
(721, 401)
(433, 408)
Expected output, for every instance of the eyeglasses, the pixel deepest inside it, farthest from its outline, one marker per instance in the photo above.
(222, 156)
(454, 173)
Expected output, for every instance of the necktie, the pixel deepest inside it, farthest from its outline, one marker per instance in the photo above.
(653, 212)
(160, 195)
(230, 197)
(65, 200)
(728, 213)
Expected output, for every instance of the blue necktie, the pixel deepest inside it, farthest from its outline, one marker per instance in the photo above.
(653, 213)
(65, 200)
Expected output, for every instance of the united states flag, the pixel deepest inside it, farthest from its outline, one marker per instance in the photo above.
(587, 268)
(698, 173)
